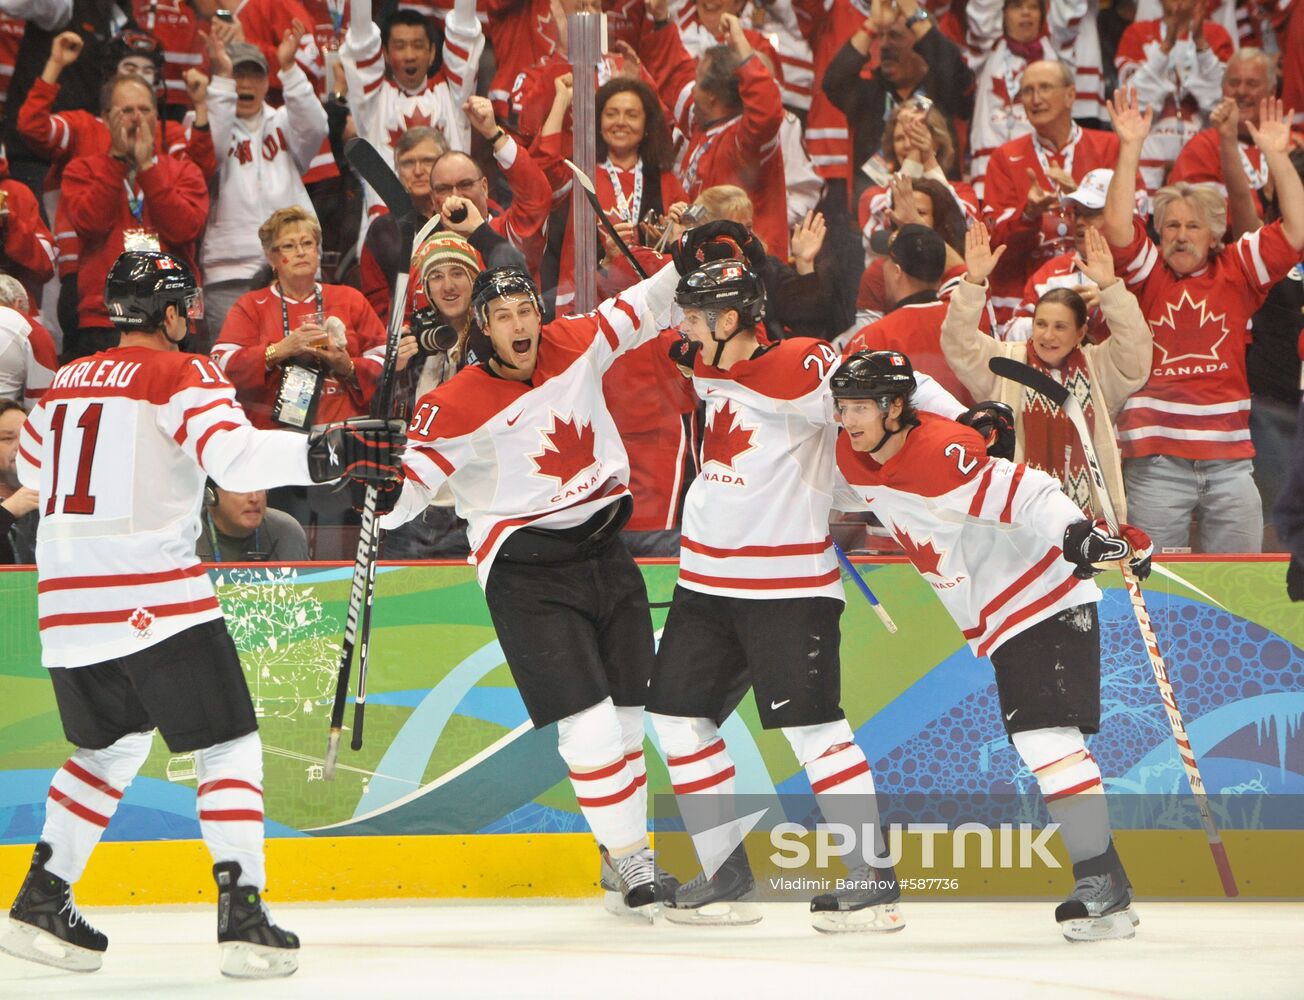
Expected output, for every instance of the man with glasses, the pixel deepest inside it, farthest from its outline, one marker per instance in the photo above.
(1028, 176)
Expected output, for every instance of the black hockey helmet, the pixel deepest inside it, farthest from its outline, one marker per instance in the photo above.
(874, 375)
(134, 42)
(142, 283)
(724, 284)
(494, 284)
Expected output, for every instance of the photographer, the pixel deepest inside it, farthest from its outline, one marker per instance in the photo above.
(240, 527)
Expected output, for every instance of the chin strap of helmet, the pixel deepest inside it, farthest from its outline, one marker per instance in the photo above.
(904, 422)
(711, 319)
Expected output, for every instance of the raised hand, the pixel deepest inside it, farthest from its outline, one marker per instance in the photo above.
(807, 238)
(734, 37)
(1099, 262)
(630, 65)
(1039, 199)
(65, 49)
(142, 147)
(227, 31)
(922, 143)
(1064, 182)
(285, 52)
(564, 89)
(479, 112)
(903, 210)
(469, 224)
(978, 256)
(1226, 119)
(1130, 123)
(218, 58)
(196, 86)
(1272, 134)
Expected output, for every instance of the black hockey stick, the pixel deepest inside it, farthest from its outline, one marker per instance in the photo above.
(586, 183)
(1042, 383)
(372, 168)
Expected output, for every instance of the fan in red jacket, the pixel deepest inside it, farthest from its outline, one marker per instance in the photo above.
(129, 188)
(1185, 435)
(176, 26)
(1026, 176)
(27, 251)
(730, 108)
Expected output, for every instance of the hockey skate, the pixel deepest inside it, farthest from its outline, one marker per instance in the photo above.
(724, 899)
(252, 946)
(613, 895)
(866, 900)
(1100, 907)
(45, 925)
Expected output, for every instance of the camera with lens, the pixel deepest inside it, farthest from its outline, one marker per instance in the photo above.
(434, 336)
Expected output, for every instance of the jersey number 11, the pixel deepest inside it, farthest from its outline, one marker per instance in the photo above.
(79, 501)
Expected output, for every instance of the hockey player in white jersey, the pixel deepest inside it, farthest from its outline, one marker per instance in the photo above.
(131, 630)
(1012, 559)
(536, 466)
(759, 595)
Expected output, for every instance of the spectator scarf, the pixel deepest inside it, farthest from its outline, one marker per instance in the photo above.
(1050, 442)
(1030, 51)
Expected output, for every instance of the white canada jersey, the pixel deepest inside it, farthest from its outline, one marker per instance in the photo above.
(985, 533)
(756, 518)
(543, 453)
(118, 449)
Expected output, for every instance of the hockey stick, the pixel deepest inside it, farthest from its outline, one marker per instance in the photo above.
(372, 168)
(879, 610)
(1042, 383)
(586, 182)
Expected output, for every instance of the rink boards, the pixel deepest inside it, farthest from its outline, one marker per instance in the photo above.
(454, 795)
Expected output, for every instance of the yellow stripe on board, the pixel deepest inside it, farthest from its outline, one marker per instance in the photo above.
(1161, 864)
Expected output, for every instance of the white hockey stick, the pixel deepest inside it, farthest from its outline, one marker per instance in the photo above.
(1039, 382)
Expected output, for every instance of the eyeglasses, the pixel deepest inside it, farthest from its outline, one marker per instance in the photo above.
(408, 164)
(299, 246)
(464, 186)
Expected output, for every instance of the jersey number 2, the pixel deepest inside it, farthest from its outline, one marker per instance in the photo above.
(79, 501)
(958, 451)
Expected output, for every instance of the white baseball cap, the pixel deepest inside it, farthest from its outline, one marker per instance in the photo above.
(1090, 192)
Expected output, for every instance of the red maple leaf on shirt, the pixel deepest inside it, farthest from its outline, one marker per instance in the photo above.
(409, 121)
(725, 438)
(1196, 333)
(925, 558)
(140, 620)
(567, 450)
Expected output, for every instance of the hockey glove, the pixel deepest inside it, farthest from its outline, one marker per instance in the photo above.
(387, 494)
(995, 422)
(1087, 543)
(684, 352)
(362, 448)
(1295, 580)
(719, 240)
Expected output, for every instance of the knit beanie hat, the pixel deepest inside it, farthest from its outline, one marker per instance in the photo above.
(447, 248)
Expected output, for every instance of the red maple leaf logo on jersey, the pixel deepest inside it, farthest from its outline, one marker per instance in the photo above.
(409, 121)
(725, 438)
(925, 558)
(1196, 332)
(141, 620)
(567, 450)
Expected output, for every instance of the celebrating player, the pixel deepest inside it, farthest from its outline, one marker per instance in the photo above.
(131, 630)
(1011, 558)
(759, 595)
(532, 456)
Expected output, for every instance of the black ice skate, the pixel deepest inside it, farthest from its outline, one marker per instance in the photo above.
(723, 899)
(45, 925)
(1100, 907)
(613, 893)
(866, 900)
(631, 884)
(252, 946)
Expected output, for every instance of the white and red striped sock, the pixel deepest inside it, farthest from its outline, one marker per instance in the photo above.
(610, 801)
(1069, 779)
(83, 797)
(708, 769)
(230, 805)
(631, 737)
(844, 788)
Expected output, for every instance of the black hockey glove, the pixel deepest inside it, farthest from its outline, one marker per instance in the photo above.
(995, 422)
(362, 448)
(719, 240)
(684, 352)
(1295, 580)
(1089, 542)
(387, 494)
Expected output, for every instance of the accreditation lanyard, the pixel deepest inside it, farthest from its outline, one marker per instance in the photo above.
(285, 309)
(1259, 177)
(1069, 150)
(630, 209)
(135, 201)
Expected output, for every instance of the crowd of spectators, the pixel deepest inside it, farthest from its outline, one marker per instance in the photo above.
(1109, 191)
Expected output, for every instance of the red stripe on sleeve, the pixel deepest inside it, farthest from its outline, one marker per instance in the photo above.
(607, 331)
(976, 507)
(225, 425)
(1008, 510)
(184, 430)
